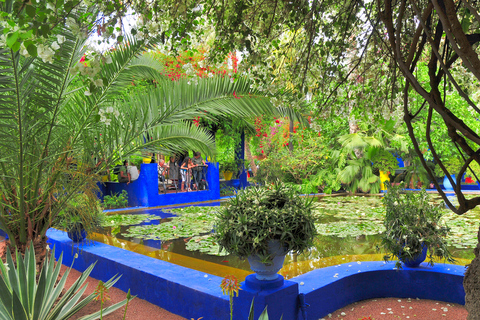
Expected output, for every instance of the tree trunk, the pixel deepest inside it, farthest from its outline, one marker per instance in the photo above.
(249, 156)
(471, 284)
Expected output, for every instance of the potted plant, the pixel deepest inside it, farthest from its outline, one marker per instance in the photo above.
(229, 168)
(453, 166)
(413, 226)
(81, 215)
(265, 223)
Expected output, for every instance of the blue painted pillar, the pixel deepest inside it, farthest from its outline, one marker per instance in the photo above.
(279, 296)
(240, 155)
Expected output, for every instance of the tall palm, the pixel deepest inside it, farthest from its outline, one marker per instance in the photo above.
(54, 138)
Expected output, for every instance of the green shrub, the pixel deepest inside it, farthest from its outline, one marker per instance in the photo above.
(116, 200)
(411, 223)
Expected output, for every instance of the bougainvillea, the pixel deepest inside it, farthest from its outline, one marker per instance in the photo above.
(272, 134)
(192, 64)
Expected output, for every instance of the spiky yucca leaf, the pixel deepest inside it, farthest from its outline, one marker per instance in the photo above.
(22, 297)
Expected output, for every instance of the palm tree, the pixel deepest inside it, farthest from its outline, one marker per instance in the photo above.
(55, 135)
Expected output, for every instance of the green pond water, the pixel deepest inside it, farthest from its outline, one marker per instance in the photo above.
(349, 230)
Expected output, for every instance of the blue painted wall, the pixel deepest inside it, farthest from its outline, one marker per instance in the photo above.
(193, 294)
(143, 192)
(329, 289)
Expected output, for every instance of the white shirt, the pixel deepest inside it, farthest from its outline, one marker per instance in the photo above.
(133, 172)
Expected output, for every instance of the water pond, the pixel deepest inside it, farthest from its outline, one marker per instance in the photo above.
(349, 231)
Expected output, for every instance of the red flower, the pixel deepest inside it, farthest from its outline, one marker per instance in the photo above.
(277, 121)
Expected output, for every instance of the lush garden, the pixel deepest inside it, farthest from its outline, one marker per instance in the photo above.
(308, 97)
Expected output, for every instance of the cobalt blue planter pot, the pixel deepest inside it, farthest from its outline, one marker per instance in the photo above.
(416, 262)
(268, 271)
(77, 235)
(446, 183)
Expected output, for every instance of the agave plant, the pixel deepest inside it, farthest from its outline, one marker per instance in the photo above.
(263, 315)
(56, 134)
(22, 297)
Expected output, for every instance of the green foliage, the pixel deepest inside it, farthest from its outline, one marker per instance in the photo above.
(414, 174)
(80, 213)
(263, 315)
(228, 191)
(270, 170)
(227, 139)
(257, 215)
(411, 222)
(365, 153)
(53, 128)
(25, 297)
(358, 175)
(116, 200)
(385, 161)
(453, 166)
(230, 165)
(188, 222)
(311, 165)
(113, 220)
(206, 244)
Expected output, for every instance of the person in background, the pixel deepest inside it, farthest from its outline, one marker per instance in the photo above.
(185, 170)
(123, 175)
(133, 172)
(173, 168)
(197, 169)
(162, 168)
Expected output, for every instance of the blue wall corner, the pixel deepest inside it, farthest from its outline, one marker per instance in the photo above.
(280, 301)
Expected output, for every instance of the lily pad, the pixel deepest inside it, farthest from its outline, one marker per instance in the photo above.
(205, 244)
(188, 223)
(127, 219)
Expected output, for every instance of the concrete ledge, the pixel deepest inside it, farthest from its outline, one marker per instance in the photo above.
(180, 290)
(329, 289)
(194, 294)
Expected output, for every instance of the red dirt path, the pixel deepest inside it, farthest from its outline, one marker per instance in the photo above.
(397, 308)
(137, 308)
